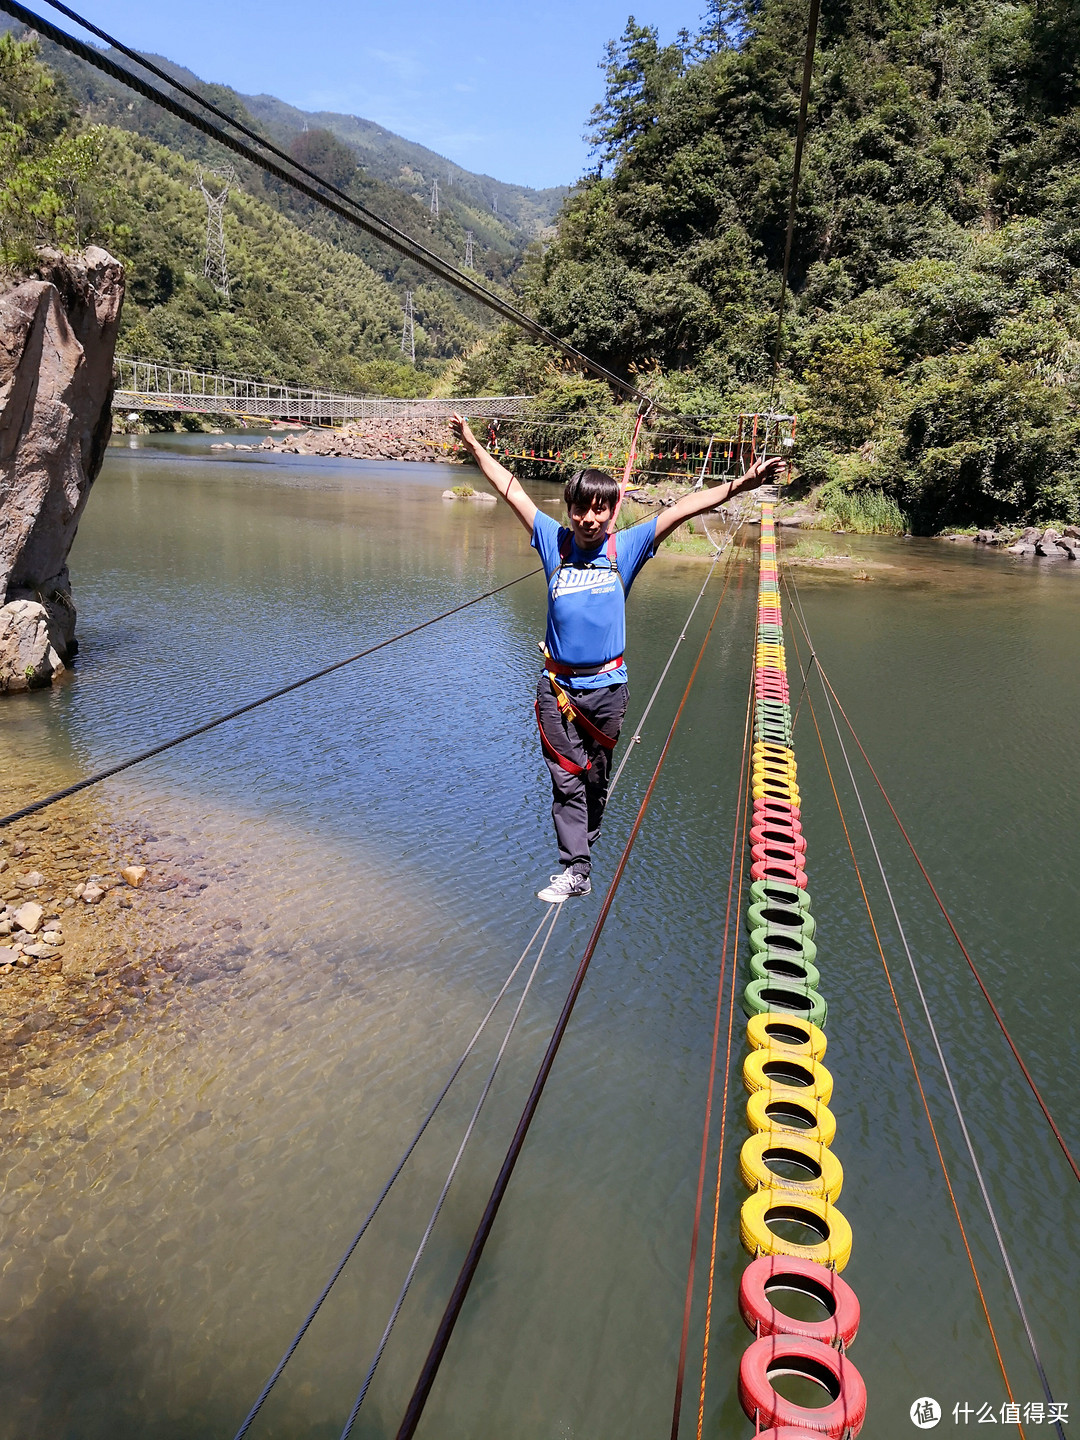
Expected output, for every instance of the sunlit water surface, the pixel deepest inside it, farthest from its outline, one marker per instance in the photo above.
(191, 1187)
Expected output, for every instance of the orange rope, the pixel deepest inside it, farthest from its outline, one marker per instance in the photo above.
(711, 1087)
(628, 469)
(955, 933)
(907, 1043)
(745, 801)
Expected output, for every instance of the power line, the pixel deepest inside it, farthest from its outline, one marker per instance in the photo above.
(321, 191)
(469, 250)
(435, 196)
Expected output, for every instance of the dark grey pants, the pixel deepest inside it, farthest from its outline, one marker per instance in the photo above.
(577, 804)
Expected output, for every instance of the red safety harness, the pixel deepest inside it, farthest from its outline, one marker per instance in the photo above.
(556, 667)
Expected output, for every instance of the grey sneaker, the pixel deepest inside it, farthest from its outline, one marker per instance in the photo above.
(564, 886)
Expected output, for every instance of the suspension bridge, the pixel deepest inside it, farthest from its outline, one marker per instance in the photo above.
(153, 385)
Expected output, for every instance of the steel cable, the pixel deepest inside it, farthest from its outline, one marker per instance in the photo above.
(251, 705)
(355, 1411)
(340, 1266)
(469, 1267)
(353, 212)
(264, 1393)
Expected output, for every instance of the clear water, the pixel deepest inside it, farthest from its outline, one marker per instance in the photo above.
(185, 1193)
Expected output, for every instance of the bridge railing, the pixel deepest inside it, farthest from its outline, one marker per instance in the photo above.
(156, 385)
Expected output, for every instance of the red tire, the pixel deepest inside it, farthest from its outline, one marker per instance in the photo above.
(778, 870)
(787, 1433)
(791, 1355)
(805, 1277)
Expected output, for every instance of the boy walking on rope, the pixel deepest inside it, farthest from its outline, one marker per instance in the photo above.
(581, 697)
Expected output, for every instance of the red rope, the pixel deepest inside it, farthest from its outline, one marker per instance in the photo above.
(955, 933)
(711, 1089)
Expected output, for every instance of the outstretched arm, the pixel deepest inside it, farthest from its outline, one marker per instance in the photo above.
(760, 473)
(500, 478)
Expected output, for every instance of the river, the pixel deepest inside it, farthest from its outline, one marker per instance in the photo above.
(381, 835)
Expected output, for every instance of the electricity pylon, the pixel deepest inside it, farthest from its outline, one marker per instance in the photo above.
(216, 264)
(469, 250)
(408, 329)
(435, 197)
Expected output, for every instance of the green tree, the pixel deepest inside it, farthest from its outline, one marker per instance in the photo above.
(638, 72)
(47, 163)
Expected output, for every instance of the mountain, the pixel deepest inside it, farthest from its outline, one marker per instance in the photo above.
(412, 168)
(393, 176)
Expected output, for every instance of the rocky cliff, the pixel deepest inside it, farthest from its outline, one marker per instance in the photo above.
(57, 337)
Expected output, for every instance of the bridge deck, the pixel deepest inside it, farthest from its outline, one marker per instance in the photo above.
(151, 385)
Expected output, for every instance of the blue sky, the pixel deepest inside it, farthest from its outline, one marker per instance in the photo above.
(504, 89)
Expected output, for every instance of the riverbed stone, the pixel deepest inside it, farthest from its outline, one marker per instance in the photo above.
(29, 917)
(1072, 531)
(1022, 547)
(92, 894)
(134, 874)
(1047, 545)
(32, 880)
(8, 955)
(52, 937)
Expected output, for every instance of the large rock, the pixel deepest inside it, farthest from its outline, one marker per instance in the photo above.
(57, 338)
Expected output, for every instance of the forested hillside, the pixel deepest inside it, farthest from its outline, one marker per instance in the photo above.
(932, 348)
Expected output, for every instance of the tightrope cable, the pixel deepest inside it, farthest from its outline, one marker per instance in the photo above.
(549, 921)
(355, 1241)
(251, 705)
(355, 1411)
(454, 1306)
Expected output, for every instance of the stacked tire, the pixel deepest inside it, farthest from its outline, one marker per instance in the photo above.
(788, 1163)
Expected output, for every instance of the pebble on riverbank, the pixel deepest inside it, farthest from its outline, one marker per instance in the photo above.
(98, 920)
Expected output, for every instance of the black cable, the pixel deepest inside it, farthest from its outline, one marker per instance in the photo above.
(800, 137)
(251, 705)
(355, 213)
(472, 1260)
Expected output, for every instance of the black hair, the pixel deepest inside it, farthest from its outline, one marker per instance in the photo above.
(590, 486)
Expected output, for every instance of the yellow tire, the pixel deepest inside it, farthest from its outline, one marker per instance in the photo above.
(824, 1175)
(778, 791)
(767, 750)
(776, 1030)
(783, 1111)
(834, 1247)
(777, 1070)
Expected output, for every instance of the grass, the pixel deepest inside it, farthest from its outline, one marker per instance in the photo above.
(808, 550)
(463, 490)
(862, 512)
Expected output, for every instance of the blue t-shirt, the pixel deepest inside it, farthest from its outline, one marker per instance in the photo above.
(586, 619)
